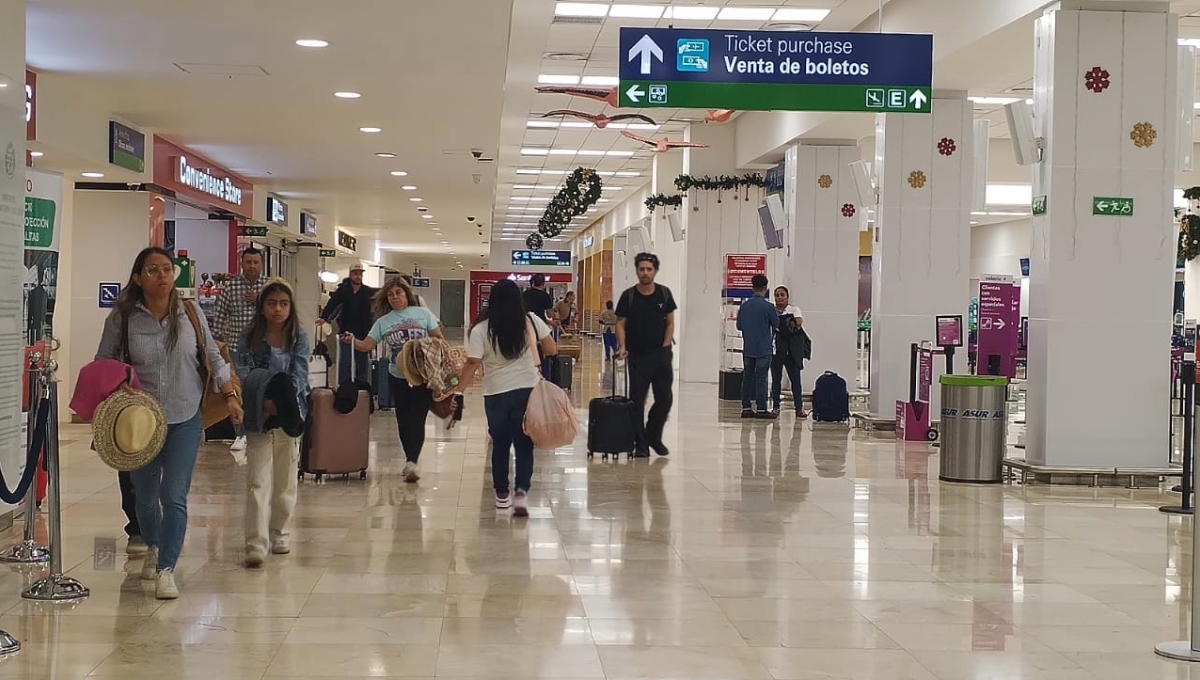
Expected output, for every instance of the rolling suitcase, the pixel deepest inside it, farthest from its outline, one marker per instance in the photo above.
(562, 371)
(611, 422)
(336, 443)
(383, 388)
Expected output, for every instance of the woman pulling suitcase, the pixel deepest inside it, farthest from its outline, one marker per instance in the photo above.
(399, 319)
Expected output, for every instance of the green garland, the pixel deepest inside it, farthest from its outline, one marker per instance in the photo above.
(663, 200)
(580, 192)
(1189, 238)
(686, 183)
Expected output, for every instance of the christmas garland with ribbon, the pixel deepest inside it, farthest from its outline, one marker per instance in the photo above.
(721, 183)
(1189, 238)
(663, 200)
(580, 192)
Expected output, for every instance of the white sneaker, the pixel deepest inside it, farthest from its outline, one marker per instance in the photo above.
(150, 566)
(281, 547)
(239, 444)
(520, 504)
(503, 501)
(410, 472)
(164, 587)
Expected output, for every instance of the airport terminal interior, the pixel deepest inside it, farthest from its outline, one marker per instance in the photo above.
(926, 275)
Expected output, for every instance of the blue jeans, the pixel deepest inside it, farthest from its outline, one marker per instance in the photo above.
(162, 488)
(610, 343)
(778, 364)
(754, 382)
(506, 424)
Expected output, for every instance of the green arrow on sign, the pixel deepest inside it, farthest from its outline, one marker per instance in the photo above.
(328, 252)
(254, 231)
(1039, 205)
(1112, 206)
(775, 97)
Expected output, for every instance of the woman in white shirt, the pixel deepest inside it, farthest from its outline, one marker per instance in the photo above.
(789, 352)
(499, 342)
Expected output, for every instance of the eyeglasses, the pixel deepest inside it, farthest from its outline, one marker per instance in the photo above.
(159, 270)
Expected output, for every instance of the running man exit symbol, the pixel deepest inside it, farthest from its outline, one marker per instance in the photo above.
(108, 295)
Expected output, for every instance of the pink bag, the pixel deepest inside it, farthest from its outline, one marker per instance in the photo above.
(550, 418)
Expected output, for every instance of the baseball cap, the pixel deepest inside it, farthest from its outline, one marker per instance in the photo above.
(357, 268)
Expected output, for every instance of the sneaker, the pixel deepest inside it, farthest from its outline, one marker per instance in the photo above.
(410, 472)
(504, 500)
(520, 504)
(239, 444)
(164, 586)
(136, 547)
(766, 415)
(661, 449)
(150, 566)
(747, 413)
(801, 413)
(254, 558)
(281, 547)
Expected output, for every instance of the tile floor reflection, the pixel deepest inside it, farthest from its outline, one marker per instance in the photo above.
(758, 550)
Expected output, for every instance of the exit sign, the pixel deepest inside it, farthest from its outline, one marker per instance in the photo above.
(254, 232)
(1110, 206)
(328, 252)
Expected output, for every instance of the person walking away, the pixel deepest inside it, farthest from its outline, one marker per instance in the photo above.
(646, 335)
(536, 299)
(399, 320)
(499, 342)
(564, 309)
(149, 330)
(757, 320)
(275, 342)
(233, 312)
(608, 323)
(351, 304)
(789, 352)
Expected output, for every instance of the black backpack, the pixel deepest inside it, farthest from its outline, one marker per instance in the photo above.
(831, 400)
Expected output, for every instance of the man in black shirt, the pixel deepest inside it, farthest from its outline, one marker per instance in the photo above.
(645, 334)
(536, 299)
(351, 305)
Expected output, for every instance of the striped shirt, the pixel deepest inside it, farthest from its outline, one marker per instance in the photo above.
(170, 375)
(232, 314)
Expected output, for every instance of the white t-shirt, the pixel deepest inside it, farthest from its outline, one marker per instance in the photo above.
(791, 309)
(501, 374)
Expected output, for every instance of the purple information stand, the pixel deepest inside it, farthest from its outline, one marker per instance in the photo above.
(999, 326)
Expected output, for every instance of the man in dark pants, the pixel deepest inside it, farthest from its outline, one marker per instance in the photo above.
(351, 305)
(646, 334)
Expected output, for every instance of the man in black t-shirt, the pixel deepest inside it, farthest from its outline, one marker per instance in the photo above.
(536, 299)
(645, 334)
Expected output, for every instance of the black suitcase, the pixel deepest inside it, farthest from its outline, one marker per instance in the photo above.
(383, 388)
(830, 399)
(611, 423)
(562, 371)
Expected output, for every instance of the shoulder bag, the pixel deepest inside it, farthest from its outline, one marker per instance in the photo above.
(550, 418)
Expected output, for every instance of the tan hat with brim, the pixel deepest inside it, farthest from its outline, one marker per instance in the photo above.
(129, 429)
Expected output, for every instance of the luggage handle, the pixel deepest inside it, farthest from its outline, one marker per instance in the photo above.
(614, 377)
(338, 359)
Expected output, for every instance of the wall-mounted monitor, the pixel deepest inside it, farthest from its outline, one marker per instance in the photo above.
(771, 234)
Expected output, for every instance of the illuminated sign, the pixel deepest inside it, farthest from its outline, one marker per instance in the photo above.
(346, 241)
(277, 211)
(308, 224)
(541, 258)
(207, 183)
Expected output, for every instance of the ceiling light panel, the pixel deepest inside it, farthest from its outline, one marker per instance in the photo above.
(600, 81)
(580, 9)
(692, 13)
(550, 79)
(799, 14)
(637, 11)
(746, 14)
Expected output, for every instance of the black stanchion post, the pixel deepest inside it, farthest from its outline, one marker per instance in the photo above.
(1188, 650)
(29, 551)
(1187, 373)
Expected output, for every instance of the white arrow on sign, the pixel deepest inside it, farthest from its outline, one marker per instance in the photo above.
(918, 99)
(635, 94)
(645, 49)
(999, 324)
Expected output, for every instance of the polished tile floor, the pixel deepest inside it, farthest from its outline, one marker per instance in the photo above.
(757, 551)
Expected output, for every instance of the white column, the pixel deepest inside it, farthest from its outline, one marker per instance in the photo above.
(12, 230)
(823, 267)
(1100, 301)
(921, 261)
(308, 286)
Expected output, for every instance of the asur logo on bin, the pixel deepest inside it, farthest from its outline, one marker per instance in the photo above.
(974, 414)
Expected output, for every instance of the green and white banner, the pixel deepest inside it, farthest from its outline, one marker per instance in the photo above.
(43, 231)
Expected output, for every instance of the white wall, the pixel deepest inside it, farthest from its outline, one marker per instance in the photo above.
(206, 242)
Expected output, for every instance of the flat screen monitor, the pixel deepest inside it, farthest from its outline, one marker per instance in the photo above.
(771, 235)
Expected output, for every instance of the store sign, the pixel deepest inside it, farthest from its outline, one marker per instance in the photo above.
(739, 271)
(541, 258)
(126, 147)
(345, 240)
(198, 181)
(588, 241)
(219, 187)
(328, 252)
(30, 105)
(277, 211)
(308, 224)
(420, 282)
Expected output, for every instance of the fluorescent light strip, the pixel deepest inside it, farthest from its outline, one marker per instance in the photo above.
(545, 79)
(798, 14)
(573, 152)
(551, 124)
(581, 9)
(998, 101)
(600, 81)
(692, 13)
(701, 13)
(746, 14)
(637, 11)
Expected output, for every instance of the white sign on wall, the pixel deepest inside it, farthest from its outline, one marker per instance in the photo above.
(203, 181)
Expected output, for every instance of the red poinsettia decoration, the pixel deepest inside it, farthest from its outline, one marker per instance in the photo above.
(848, 210)
(1097, 79)
(947, 147)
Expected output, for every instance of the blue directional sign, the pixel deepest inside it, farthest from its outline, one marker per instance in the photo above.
(108, 295)
(776, 70)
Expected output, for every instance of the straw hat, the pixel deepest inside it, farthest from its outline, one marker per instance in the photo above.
(129, 429)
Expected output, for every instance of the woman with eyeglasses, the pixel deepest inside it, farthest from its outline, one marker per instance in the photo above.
(150, 330)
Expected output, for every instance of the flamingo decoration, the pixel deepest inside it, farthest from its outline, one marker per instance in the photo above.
(719, 116)
(663, 145)
(599, 119)
(608, 95)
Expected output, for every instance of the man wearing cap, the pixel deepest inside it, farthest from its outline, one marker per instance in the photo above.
(235, 309)
(350, 304)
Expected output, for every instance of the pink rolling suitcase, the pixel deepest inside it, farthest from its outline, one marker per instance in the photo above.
(336, 443)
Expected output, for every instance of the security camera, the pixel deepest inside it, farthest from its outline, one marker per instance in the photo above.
(477, 153)
(133, 187)
(470, 218)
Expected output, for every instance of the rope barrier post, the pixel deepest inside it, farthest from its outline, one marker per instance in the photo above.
(56, 587)
(1188, 650)
(29, 551)
(1187, 374)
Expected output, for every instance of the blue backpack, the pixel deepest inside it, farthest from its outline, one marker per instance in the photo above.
(830, 399)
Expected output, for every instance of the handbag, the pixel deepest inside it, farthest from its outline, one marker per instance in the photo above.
(550, 417)
(213, 407)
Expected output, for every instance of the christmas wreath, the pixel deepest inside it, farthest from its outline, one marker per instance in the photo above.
(686, 183)
(580, 192)
(1189, 238)
(663, 200)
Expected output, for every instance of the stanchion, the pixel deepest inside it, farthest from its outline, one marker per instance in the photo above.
(56, 587)
(1188, 650)
(29, 551)
(1187, 374)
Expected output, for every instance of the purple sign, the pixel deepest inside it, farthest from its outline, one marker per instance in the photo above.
(924, 374)
(999, 327)
(950, 331)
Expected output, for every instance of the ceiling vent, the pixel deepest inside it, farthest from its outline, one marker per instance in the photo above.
(565, 56)
(583, 21)
(227, 70)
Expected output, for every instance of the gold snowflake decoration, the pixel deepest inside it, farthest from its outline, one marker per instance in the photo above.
(917, 179)
(1143, 135)
(824, 181)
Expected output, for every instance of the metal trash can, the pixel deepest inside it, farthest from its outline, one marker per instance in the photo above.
(973, 428)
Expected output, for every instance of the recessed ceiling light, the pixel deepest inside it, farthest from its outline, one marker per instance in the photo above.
(407, 187)
(347, 95)
(312, 42)
(93, 175)
(434, 224)
(637, 11)
(399, 173)
(692, 13)
(416, 200)
(535, 152)
(998, 101)
(580, 9)
(746, 13)
(385, 154)
(600, 81)
(427, 217)
(546, 79)
(36, 154)
(370, 129)
(799, 14)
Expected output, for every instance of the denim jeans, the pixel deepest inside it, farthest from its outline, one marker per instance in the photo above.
(754, 382)
(778, 364)
(162, 488)
(506, 424)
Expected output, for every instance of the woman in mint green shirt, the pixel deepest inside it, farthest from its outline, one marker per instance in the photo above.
(399, 318)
